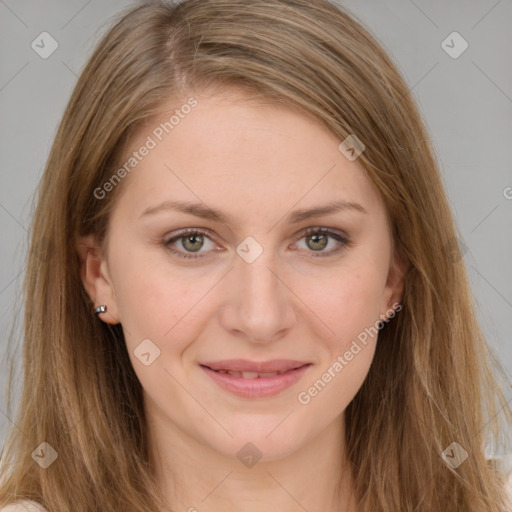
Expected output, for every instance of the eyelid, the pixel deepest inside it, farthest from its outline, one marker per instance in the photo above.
(322, 230)
(185, 231)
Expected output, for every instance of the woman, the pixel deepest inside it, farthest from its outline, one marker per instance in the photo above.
(250, 296)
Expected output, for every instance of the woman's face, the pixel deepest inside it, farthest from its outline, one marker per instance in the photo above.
(255, 286)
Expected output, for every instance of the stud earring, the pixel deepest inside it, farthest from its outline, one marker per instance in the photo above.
(100, 309)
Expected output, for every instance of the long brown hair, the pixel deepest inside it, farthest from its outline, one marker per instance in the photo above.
(432, 381)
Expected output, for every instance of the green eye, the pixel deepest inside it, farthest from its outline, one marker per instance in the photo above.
(192, 240)
(317, 239)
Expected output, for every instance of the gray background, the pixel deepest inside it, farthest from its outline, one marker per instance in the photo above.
(466, 103)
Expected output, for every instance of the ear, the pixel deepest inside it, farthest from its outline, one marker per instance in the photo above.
(394, 289)
(96, 279)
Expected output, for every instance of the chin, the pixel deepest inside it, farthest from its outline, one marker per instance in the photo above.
(267, 442)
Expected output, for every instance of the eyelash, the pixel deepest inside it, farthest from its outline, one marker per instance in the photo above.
(343, 240)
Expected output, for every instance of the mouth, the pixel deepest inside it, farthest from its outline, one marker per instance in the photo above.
(240, 366)
(255, 380)
(250, 375)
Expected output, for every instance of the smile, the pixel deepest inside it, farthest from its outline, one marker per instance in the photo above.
(253, 384)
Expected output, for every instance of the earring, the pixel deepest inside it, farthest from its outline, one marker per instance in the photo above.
(100, 309)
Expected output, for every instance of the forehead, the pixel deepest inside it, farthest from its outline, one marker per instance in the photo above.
(236, 152)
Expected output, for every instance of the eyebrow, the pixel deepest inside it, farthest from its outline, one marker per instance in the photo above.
(205, 212)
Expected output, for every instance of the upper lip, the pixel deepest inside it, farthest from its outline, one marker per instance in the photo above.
(244, 365)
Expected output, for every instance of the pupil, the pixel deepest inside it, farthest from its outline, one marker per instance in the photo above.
(315, 240)
(191, 239)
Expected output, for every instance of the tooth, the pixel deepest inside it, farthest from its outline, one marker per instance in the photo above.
(235, 374)
(268, 374)
(250, 375)
(222, 371)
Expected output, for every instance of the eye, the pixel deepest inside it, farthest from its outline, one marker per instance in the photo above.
(192, 240)
(317, 239)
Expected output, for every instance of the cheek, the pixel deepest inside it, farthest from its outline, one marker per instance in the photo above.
(351, 309)
(348, 302)
(154, 302)
(341, 381)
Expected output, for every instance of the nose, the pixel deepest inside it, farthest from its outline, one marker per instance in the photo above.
(259, 304)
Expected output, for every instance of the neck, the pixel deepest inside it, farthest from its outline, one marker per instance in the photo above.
(195, 477)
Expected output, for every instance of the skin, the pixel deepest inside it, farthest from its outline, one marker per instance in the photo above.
(257, 164)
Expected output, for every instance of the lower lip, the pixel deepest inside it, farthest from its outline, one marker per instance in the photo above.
(258, 387)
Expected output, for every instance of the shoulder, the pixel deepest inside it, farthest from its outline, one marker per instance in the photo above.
(503, 465)
(23, 506)
(508, 489)
(32, 506)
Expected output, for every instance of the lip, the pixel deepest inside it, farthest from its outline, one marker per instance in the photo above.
(245, 365)
(258, 387)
